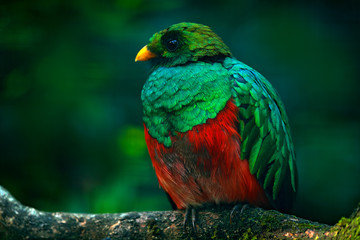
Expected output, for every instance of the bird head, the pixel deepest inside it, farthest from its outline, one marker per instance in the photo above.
(182, 43)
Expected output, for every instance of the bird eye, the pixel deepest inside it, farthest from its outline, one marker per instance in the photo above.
(172, 45)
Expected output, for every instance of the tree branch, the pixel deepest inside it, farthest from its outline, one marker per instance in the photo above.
(21, 222)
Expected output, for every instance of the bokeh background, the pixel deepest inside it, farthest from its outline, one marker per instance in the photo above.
(71, 136)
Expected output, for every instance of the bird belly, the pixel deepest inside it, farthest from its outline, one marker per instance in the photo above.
(204, 165)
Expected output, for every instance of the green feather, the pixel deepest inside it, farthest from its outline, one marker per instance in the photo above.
(257, 117)
(196, 41)
(269, 177)
(246, 112)
(279, 176)
(166, 100)
(254, 153)
(267, 150)
(183, 91)
(250, 136)
(293, 171)
(267, 142)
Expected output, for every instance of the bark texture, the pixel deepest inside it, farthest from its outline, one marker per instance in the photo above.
(22, 222)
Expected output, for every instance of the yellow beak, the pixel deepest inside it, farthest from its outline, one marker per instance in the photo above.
(144, 54)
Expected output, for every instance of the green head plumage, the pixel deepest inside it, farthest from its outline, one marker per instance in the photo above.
(188, 84)
(186, 42)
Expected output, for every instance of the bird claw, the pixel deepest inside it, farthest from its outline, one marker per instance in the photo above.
(190, 211)
(236, 208)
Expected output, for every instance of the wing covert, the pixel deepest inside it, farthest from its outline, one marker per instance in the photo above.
(266, 140)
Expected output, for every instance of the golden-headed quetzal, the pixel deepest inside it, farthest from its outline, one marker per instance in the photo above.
(215, 128)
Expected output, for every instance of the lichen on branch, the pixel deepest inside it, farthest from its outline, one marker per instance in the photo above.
(21, 222)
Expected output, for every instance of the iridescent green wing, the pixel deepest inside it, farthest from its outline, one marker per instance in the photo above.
(264, 128)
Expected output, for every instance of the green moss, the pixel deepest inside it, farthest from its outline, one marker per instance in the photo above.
(348, 228)
(309, 225)
(154, 230)
(214, 236)
(249, 235)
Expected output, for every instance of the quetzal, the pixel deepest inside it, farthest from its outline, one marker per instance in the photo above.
(216, 129)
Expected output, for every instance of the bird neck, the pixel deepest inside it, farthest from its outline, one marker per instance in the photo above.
(184, 60)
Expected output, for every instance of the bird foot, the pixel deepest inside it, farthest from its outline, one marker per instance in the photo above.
(237, 208)
(190, 213)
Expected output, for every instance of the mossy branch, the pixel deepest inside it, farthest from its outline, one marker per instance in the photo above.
(21, 222)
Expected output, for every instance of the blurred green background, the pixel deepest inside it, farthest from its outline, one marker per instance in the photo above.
(71, 136)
